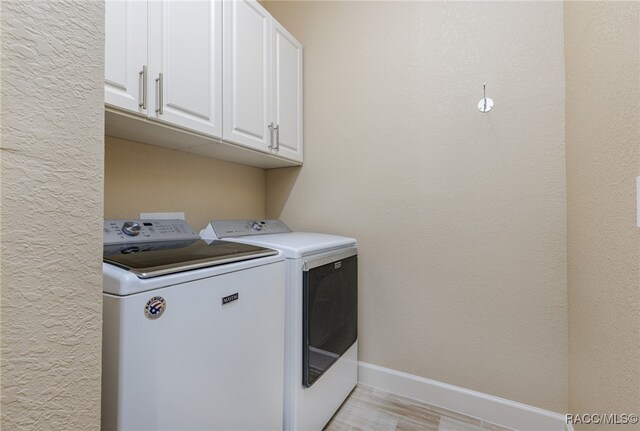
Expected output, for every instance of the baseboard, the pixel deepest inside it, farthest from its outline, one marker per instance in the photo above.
(499, 411)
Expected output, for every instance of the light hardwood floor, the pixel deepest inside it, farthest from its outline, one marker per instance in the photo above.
(370, 409)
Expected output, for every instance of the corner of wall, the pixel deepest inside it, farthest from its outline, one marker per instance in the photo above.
(52, 117)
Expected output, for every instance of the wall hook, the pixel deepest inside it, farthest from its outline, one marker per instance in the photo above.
(486, 104)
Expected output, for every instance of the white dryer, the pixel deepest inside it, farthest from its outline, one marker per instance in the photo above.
(193, 333)
(321, 342)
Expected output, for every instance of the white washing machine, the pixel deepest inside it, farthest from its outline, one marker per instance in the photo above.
(193, 331)
(321, 344)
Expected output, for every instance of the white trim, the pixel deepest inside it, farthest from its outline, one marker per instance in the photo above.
(492, 409)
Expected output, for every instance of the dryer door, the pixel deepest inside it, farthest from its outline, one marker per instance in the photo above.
(330, 311)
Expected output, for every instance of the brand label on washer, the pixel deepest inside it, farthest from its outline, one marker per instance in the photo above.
(230, 298)
(155, 308)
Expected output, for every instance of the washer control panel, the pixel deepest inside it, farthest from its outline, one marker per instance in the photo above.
(135, 231)
(229, 228)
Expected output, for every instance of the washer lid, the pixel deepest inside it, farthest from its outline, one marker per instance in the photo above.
(295, 245)
(160, 258)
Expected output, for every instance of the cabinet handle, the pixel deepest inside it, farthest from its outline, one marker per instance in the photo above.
(277, 129)
(271, 136)
(159, 95)
(143, 75)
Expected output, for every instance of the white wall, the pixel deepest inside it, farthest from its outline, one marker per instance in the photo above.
(602, 46)
(52, 111)
(460, 215)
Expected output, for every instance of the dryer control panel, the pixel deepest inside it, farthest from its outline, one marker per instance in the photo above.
(137, 231)
(230, 228)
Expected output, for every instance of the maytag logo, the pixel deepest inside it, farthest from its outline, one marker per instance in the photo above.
(337, 265)
(230, 298)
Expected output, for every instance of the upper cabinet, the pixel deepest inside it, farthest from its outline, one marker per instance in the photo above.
(262, 81)
(185, 59)
(224, 72)
(125, 54)
(163, 60)
(287, 93)
(247, 74)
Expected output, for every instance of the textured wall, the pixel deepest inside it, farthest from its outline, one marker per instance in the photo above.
(602, 51)
(144, 178)
(460, 215)
(51, 209)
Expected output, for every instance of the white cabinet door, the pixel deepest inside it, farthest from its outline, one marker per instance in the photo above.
(125, 54)
(185, 54)
(287, 79)
(247, 74)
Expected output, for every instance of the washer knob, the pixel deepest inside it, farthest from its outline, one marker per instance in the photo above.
(256, 226)
(131, 228)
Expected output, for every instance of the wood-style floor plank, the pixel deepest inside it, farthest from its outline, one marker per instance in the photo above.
(370, 409)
